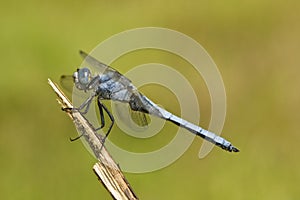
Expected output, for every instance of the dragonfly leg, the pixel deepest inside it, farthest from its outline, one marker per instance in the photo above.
(86, 104)
(101, 107)
(76, 138)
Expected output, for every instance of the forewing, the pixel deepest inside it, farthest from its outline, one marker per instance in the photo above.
(105, 69)
(67, 83)
(95, 63)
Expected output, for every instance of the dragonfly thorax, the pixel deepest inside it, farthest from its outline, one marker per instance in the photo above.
(82, 78)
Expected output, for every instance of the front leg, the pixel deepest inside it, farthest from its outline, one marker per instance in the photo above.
(86, 104)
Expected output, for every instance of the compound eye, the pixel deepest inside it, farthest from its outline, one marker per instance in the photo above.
(84, 76)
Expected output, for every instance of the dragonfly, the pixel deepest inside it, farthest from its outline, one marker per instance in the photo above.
(110, 84)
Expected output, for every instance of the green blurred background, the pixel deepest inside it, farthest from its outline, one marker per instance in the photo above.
(255, 45)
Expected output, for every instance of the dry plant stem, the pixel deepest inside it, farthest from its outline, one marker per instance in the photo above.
(107, 171)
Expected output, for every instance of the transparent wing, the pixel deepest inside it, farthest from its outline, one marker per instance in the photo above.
(67, 83)
(95, 63)
(105, 69)
(139, 118)
(129, 117)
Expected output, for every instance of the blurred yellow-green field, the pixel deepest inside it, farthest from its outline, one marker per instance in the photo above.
(255, 45)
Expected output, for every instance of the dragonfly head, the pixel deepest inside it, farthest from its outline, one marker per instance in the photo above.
(82, 78)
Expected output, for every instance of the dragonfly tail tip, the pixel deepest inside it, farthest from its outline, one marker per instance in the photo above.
(234, 149)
